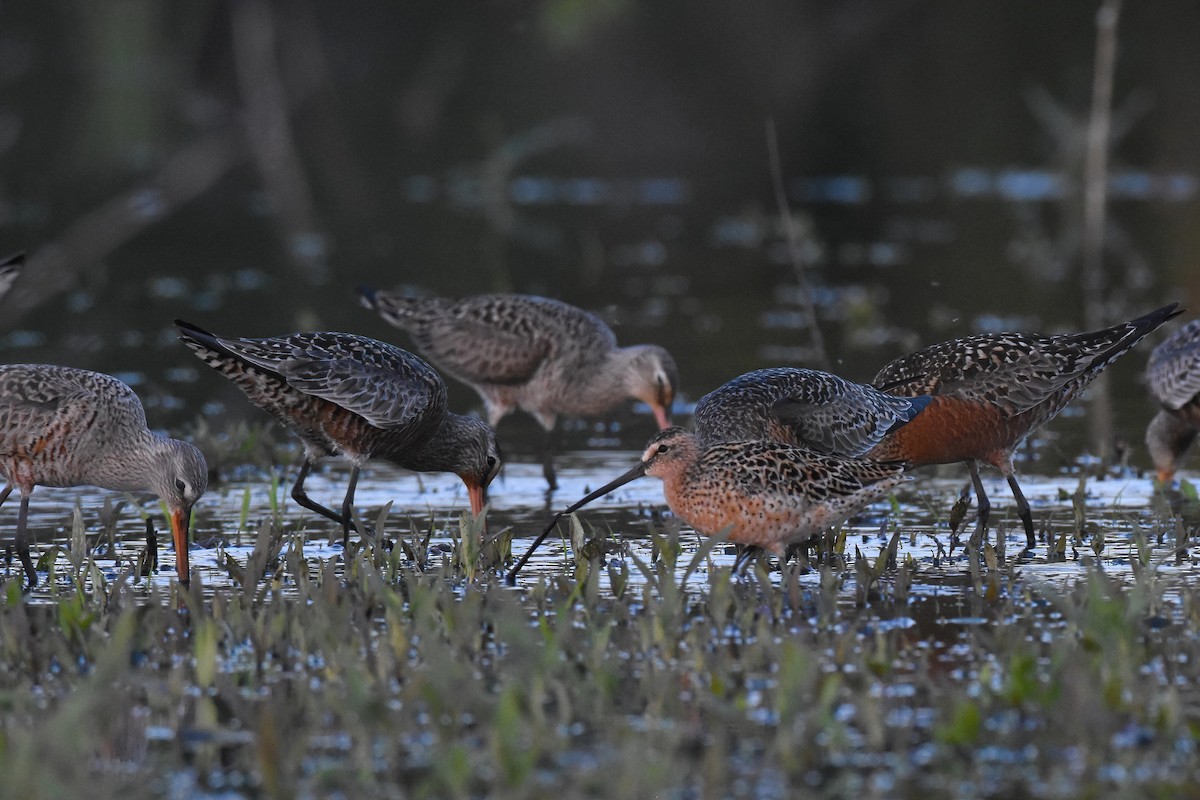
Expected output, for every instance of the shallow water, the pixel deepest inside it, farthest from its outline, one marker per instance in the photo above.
(229, 516)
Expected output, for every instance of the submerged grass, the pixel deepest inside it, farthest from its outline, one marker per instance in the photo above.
(404, 670)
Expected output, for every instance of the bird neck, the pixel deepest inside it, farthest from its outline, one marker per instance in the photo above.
(611, 379)
(138, 466)
(1167, 437)
(446, 449)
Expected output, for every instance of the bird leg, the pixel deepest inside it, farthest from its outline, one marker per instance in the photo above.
(1023, 512)
(550, 446)
(985, 506)
(347, 505)
(23, 541)
(303, 499)
(747, 555)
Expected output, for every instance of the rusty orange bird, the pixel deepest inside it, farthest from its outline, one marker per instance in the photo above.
(989, 391)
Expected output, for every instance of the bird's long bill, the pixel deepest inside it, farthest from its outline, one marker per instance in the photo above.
(633, 474)
(180, 519)
(477, 494)
(662, 416)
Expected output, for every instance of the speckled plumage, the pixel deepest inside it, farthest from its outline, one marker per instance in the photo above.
(358, 398)
(1173, 379)
(760, 493)
(532, 353)
(812, 409)
(989, 391)
(61, 426)
(766, 494)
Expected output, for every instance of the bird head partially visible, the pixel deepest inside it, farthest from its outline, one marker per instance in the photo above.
(181, 479)
(478, 460)
(670, 451)
(652, 377)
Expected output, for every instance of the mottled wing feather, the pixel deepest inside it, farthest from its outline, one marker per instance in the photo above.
(815, 409)
(1015, 371)
(479, 352)
(34, 396)
(762, 467)
(1173, 373)
(494, 338)
(385, 385)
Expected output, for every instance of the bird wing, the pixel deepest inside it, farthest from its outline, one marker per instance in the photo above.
(1173, 372)
(1012, 371)
(1016, 371)
(385, 385)
(813, 409)
(494, 338)
(34, 397)
(851, 425)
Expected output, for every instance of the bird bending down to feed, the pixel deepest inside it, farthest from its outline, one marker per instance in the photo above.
(1173, 377)
(808, 408)
(989, 391)
(61, 426)
(760, 493)
(354, 397)
(533, 353)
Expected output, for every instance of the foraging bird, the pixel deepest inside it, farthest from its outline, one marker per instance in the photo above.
(808, 408)
(61, 426)
(533, 353)
(10, 270)
(989, 391)
(354, 397)
(1173, 377)
(760, 493)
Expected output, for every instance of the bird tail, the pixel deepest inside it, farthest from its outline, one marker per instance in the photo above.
(1113, 342)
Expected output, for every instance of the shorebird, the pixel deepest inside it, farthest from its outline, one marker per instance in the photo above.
(1173, 377)
(350, 396)
(759, 493)
(808, 408)
(533, 353)
(989, 391)
(61, 426)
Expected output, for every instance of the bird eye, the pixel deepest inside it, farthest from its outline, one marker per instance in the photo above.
(181, 486)
(491, 462)
(662, 448)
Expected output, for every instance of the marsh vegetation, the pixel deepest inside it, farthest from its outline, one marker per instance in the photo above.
(629, 662)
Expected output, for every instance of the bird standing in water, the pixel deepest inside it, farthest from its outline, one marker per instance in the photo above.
(1173, 377)
(531, 353)
(989, 391)
(354, 397)
(61, 426)
(759, 493)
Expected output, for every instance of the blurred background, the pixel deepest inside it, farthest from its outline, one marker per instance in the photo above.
(244, 165)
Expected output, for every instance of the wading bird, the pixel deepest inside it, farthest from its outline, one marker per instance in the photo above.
(989, 391)
(763, 494)
(357, 398)
(539, 355)
(1173, 377)
(61, 426)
